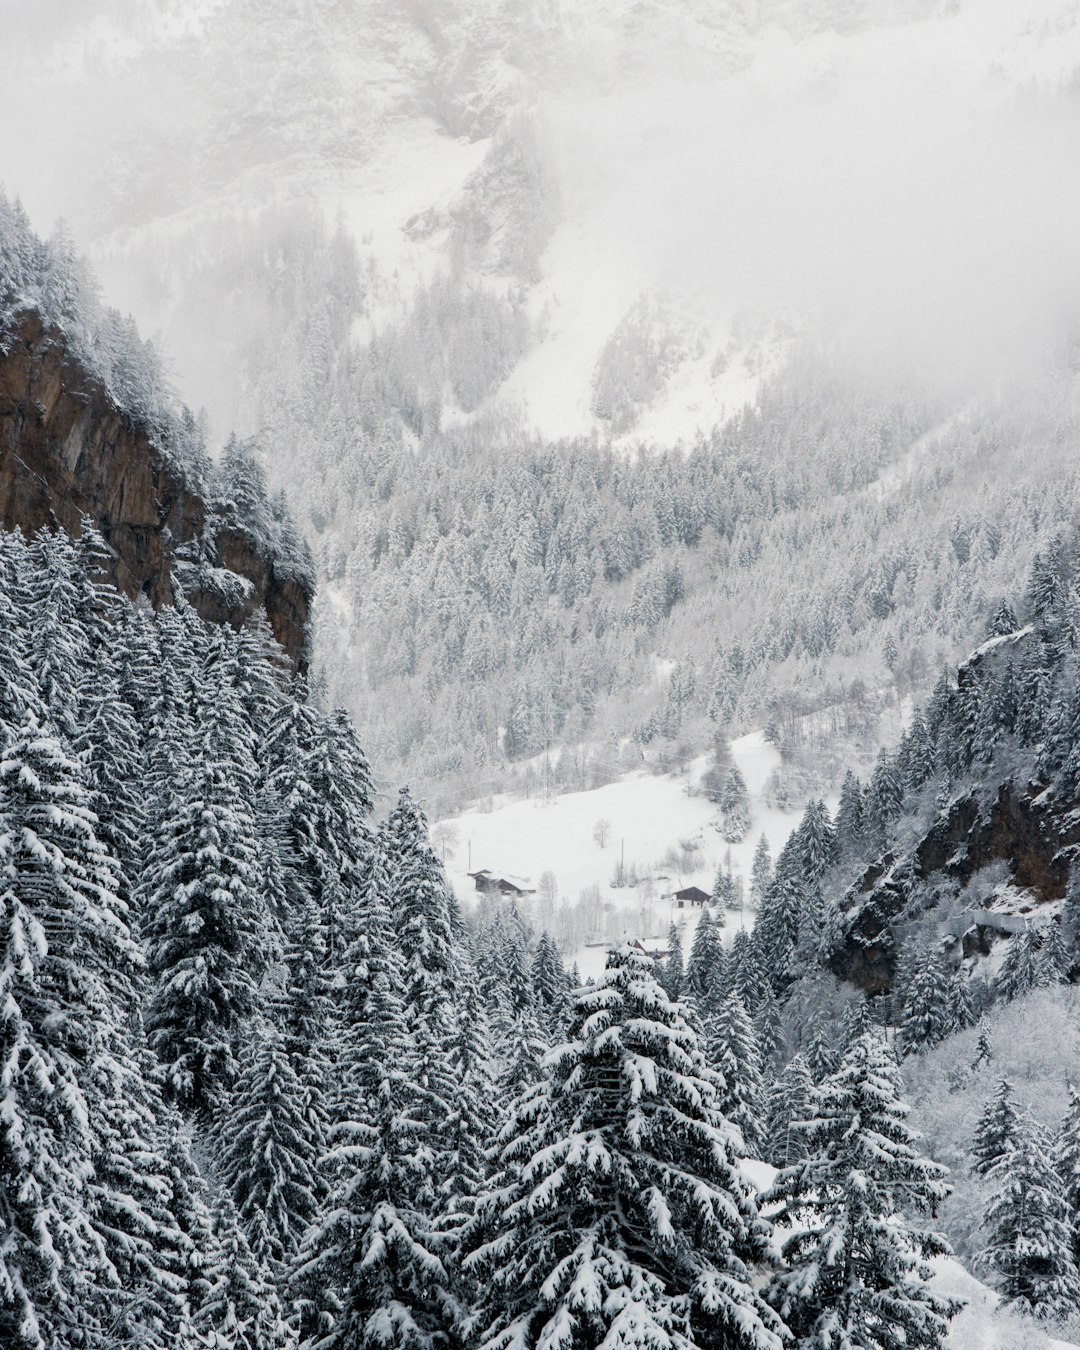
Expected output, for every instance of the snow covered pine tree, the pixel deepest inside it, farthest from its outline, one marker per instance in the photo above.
(620, 1216)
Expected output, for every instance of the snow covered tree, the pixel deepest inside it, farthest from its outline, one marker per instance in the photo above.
(996, 1128)
(1020, 971)
(1029, 1227)
(744, 975)
(725, 893)
(374, 1256)
(855, 1272)
(884, 800)
(205, 917)
(850, 820)
(776, 930)
(1070, 917)
(1054, 959)
(1004, 621)
(760, 872)
(63, 943)
(705, 967)
(621, 1215)
(789, 1104)
(768, 1031)
(734, 806)
(984, 1047)
(420, 905)
(550, 985)
(320, 785)
(928, 1015)
(918, 758)
(733, 1051)
(815, 841)
(268, 1152)
(1067, 1163)
(240, 1310)
(822, 1058)
(671, 974)
(370, 1270)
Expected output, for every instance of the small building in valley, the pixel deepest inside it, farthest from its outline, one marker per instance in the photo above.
(490, 884)
(691, 897)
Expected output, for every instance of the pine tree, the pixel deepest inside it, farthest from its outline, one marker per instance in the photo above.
(821, 1056)
(374, 1257)
(855, 1271)
(996, 1129)
(64, 942)
(1029, 1228)
(307, 1028)
(1003, 622)
(855, 1021)
(370, 1271)
(146, 1303)
(1070, 917)
(420, 904)
(884, 800)
(672, 975)
(768, 1031)
(621, 1215)
(60, 643)
(760, 873)
(474, 1102)
(744, 974)
(1020, 971)
(1054, 959)
(919, 760)
(815, 841)
(206, 922)
(850, 820)
(705, 967)
(320, 786)
(776, 929)
(929, 1014)
(551, 986)
(1067, 1163)
(734, 806)
(733, 1050)
(268, 1153)
(241, 1309)
(725, 894)
(789, 1103)
(984, 1049)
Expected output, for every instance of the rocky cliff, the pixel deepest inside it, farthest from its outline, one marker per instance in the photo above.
(1001, 850)
(67, 452)
(1018, 827)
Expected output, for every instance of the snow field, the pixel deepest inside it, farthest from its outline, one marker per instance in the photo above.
(648, 815)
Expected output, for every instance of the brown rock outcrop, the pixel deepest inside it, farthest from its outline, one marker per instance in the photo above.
(68, 452)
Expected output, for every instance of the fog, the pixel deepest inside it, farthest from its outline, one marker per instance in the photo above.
(918, 215)
(908, 191)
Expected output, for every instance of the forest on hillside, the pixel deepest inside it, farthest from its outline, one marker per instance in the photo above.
(267, 1085)
(487, 597)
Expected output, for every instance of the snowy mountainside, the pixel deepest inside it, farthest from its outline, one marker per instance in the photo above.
(405, 243)
(602, 160)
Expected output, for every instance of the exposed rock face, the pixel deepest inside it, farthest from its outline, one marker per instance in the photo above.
(67, 451)
(1018, 827)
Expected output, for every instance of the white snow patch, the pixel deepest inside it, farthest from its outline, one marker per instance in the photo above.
(648, 815)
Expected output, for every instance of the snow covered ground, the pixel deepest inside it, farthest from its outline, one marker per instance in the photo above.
(648, 816)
